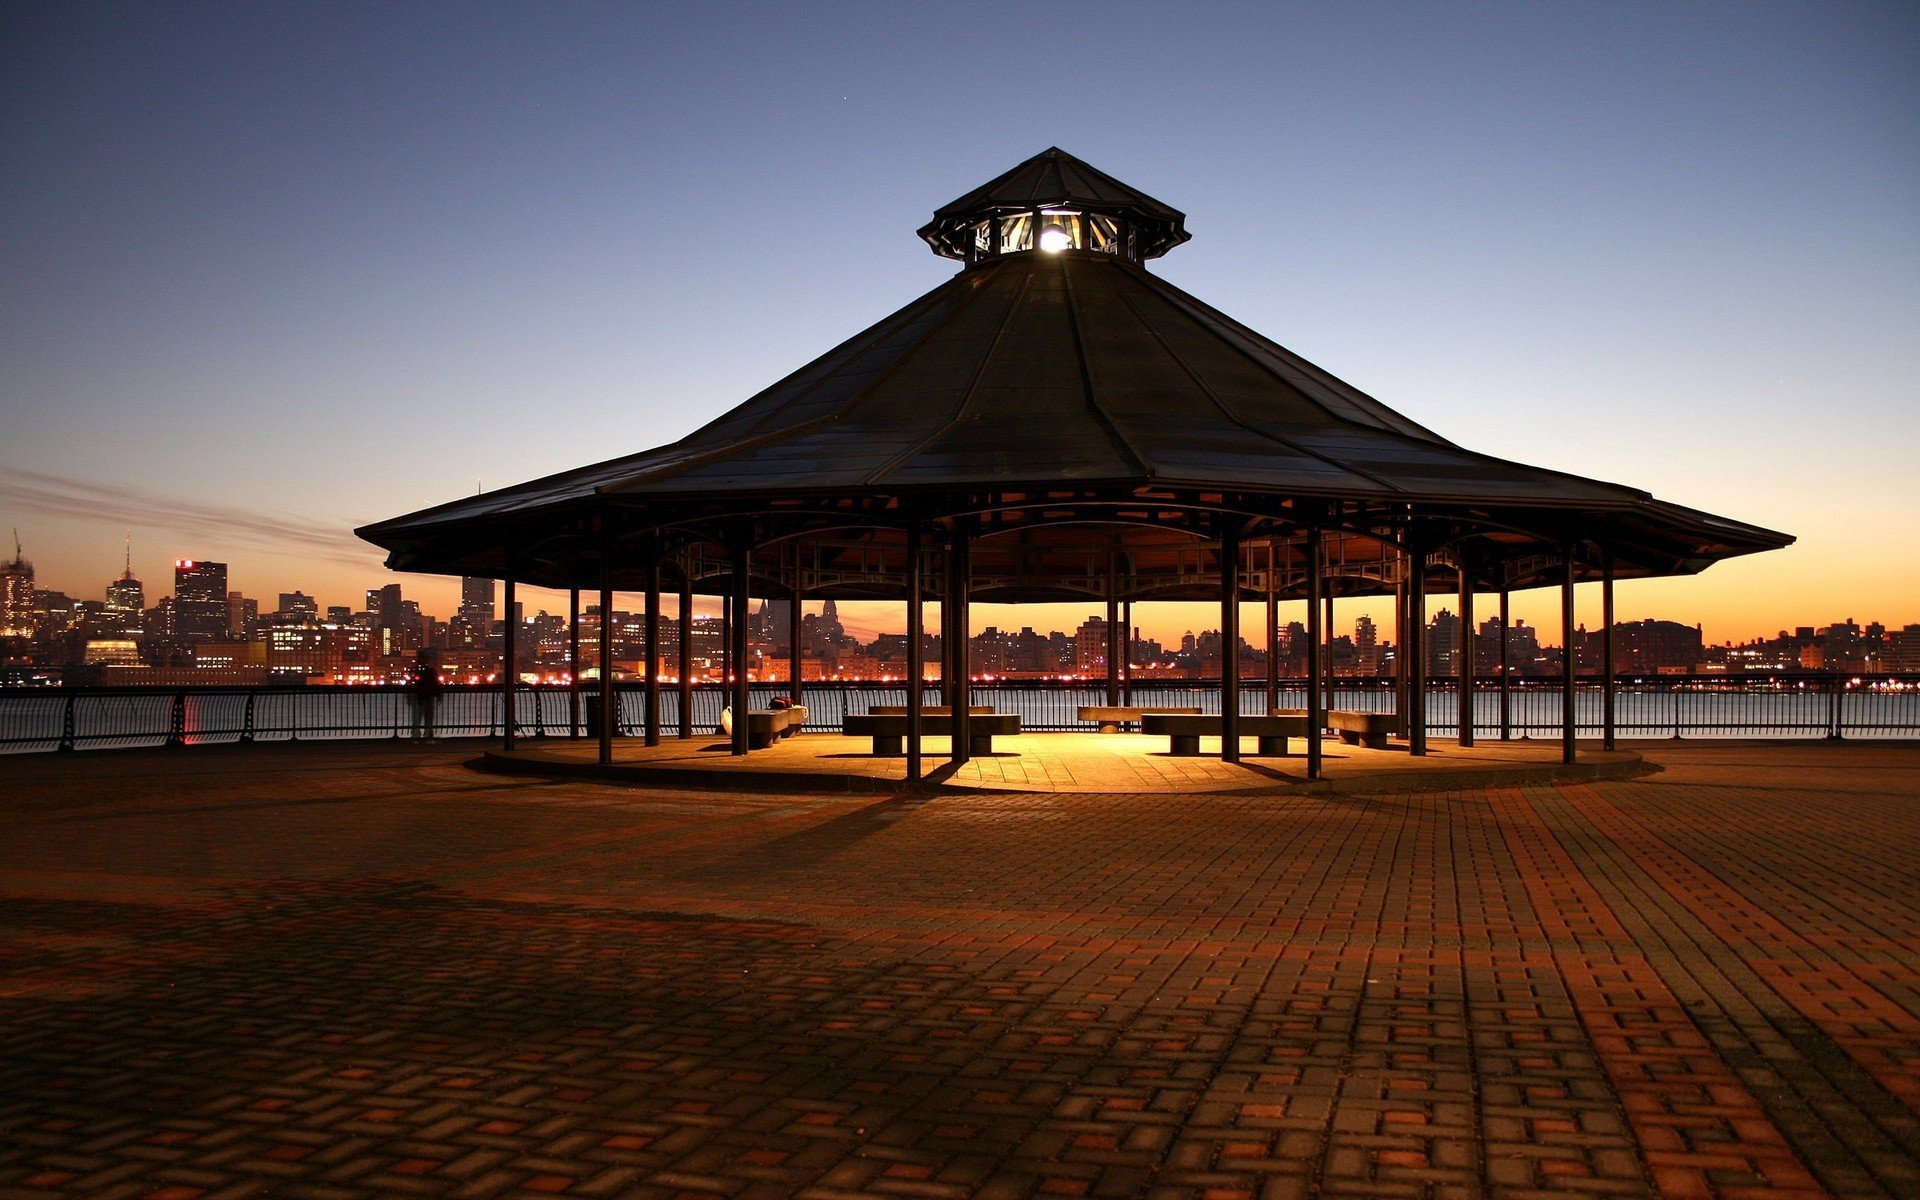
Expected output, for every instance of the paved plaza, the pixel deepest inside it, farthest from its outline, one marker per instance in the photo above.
(369, 971)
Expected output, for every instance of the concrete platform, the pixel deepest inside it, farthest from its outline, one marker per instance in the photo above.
(1059, 762)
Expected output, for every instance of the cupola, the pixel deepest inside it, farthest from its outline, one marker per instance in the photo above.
(1050, 204)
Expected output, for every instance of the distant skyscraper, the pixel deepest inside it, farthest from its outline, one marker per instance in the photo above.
(476, 602)
(200, 600)
(299, 605)
(16, 594)
(126, 599)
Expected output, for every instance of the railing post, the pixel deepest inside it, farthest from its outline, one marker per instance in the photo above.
(1836, 688)
(246, 722)
(66, 724)
(1676, 712)
(177, 721)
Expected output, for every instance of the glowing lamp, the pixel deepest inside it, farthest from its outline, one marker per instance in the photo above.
(1054, 239)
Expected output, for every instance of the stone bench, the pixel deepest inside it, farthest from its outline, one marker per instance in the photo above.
(889, 730)
(1370, 729)
(765, 726)
(1186, 730)
(1111, 716)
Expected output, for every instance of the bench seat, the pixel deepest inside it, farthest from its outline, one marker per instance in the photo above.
(1111, 716)
(889, 730)
(1370, 729)
(1185, 730)
(765, 726)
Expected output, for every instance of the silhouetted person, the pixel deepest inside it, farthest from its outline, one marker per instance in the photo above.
(426, 693)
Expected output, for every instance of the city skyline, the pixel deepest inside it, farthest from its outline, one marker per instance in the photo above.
(283, 275)
(880, 619)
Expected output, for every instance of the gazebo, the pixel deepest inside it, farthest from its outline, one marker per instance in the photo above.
(1056, 422)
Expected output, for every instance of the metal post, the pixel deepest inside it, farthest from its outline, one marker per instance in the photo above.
(1273, 642)
(1113, 643)
(737, 642)
(573, 662)
(1417, 653)
(916, 651)
(653, 648)
(1325, 641)
(1230, 645)
(960, 694)
(685, 650)
(509, 657)
(1606, 657)
(246, 724)
(67, 739)
(796, 649)
(177, 721)
(1569, 665)
(1401, 704)
(1506, 673)
(608, 698)
(1464, 654)
(1126, 653)
(1316, 632)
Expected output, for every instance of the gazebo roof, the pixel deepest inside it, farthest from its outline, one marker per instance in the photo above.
(1032, 370)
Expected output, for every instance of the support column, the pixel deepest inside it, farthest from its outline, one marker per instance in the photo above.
(1325, 640)
(653, 648)
(1569, 667)
(1464, 667)
(608, 698)
(1126, 653)
(508, 649)
(1401, 705)
(1506, 671)
(1113, 644)
(960, 695)
(796, 650)
(1273, 643)
(686, 657)
(1230, 645)
(573, 662)
(916, 652)
(1417, 653)
(737, 642)
(1606, 658)
(1316, 634)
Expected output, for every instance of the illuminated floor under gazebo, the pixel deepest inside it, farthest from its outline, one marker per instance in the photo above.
(1059, 762)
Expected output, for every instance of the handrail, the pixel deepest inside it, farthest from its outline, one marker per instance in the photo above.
(1828, 705)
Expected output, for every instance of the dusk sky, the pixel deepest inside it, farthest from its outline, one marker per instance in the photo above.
(270, 272)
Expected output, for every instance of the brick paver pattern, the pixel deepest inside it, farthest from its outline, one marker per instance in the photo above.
(335, 971)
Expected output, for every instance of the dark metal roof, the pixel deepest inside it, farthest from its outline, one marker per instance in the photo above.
(1033, 371)
(1055, 179)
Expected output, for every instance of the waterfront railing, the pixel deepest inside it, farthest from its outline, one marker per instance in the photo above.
(1801, 705)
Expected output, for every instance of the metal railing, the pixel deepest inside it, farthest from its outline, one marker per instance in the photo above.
(1791, 706)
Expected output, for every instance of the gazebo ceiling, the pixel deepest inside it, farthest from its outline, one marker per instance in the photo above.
(1060, 387)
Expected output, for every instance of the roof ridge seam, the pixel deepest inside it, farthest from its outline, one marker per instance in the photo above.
(966, 401)
(1086, 379)
(1234, 417)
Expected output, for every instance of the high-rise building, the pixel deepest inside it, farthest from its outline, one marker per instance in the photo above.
(299, 606)
(16, 595)
(476, 601)
(1366, 646)
(243, 617)
(199, 600)
(126, 599)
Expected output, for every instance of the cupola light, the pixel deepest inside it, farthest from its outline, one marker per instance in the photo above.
(1054, 238)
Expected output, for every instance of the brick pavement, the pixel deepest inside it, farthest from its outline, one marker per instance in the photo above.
(335, 971)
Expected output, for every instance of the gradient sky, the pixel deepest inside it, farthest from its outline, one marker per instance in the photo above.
(269, 272)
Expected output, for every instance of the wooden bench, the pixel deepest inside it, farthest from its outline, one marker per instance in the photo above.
(1186, 730)
(1110, 716)
(765, 726)
(1370, 729)
(889, 730)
